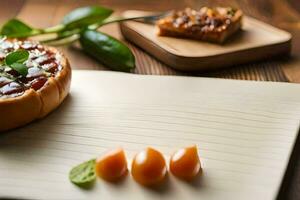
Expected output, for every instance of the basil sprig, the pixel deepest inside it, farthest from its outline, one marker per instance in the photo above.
(83, 174)
(73, 27)
(79, 18)
(16, 59)
(18, 29)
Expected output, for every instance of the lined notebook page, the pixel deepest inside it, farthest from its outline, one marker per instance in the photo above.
(245, 132)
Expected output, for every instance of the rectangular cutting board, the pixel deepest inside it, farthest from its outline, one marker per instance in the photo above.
(256, 41)
(245, 133)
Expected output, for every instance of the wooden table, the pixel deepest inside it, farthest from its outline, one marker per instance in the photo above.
(284, 14)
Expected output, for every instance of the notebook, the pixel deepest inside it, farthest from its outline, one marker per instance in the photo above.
(245, 132)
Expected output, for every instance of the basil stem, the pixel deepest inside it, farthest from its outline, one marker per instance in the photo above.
(62, 35)
(54, 29)
(147, 18)
(63, 41)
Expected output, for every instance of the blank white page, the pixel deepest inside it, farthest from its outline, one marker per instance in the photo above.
(244, 130)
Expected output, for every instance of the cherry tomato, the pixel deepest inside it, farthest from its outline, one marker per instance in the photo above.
(149, 167)
(112, 166)
(185, 163)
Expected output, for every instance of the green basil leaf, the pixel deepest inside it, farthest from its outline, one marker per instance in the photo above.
(108, 50)
(20, 68)
(17, 28)
(19, 56)
(84, 174)
(85, 16)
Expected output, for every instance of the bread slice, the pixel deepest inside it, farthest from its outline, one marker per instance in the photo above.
(20, 108)
(207, 24)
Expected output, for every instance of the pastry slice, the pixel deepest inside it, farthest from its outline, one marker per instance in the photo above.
(207, 24)
(27, 98)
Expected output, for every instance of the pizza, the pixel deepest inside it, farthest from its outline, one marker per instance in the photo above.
(27, 98)
(206, 24)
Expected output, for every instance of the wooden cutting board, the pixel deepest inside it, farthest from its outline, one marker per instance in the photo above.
(256, 41)
(245, 132)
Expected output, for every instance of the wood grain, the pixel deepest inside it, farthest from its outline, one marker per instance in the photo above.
(11, 9)
(45, 13)
(283, 14)
(256, 41)
(243, 140)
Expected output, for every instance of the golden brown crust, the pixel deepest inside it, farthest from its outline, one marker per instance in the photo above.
(20, 110)
(63, 79)
(197, 29)
(49, 96)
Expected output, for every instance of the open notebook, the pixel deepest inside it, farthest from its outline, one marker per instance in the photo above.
(245, 132)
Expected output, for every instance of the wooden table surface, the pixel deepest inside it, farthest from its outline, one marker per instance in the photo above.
(283, 14)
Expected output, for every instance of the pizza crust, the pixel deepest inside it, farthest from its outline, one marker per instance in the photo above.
(32, 105)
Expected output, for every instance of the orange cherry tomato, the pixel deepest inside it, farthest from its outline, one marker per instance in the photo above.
(149, 167)
(112, 166)
(185, 163)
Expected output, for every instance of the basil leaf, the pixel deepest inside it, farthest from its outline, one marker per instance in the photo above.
(17, 28)
(20, 68)
(18, 56)
(84, 174)
(85, 16)
(108, 50)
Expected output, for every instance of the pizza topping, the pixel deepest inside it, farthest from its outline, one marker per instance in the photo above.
(35, 72)
(38, 83)
(4, 81)
(40, 65)
(12, 88)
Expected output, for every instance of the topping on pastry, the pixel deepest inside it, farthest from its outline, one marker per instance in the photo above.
(207, 24)
(42, 64)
